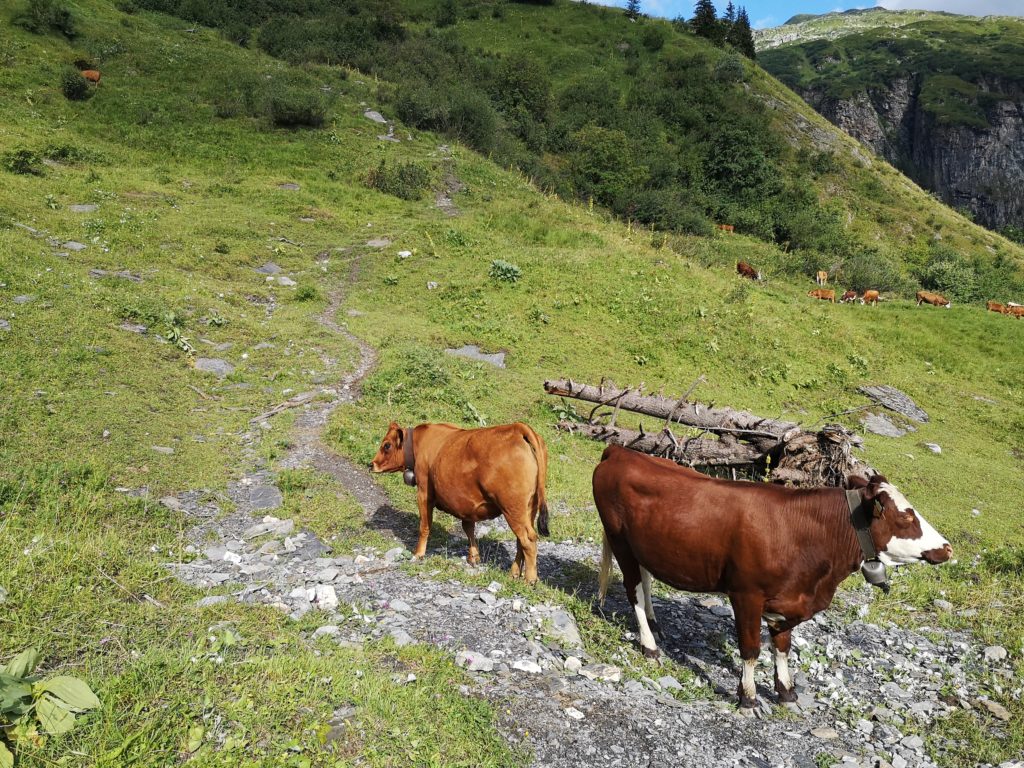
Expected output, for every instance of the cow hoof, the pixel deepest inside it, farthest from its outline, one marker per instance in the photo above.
(786, 696)
(652, 653)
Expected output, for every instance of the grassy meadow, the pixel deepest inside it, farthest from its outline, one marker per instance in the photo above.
(189, 202)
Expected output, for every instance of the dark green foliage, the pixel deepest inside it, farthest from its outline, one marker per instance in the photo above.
(1016, 234)
(705, 22)
(870, 270)
(42, 16)
(74, 86)
(23, 161)
(405, 180)
(306, 293)
(740, 36)
(653, 38)
(633, 9)
(729, 69)
(504, 271)
(447, 13)
(295, 106)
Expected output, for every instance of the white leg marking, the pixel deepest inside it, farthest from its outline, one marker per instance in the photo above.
(782, 669)
(645, 580)
(749, 689)
(646, 636)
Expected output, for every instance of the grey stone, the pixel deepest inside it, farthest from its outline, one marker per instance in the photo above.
(487, 598)
(572, 664)
(270, 268)
(396, 554)
(563, 628)
(272, 526)
(942, 605)
(326, 598)
(474, 661)
(3, 595)
(5, 325)
(121, 274)
(880, 425)
(895, 400)
(171, 502)
(375, 116)
(472, 351)
(995, 653)
(83, 208)
(825, 733)
(23, 299)
(162, 449)
(527, 665)
(401, 637)
(289, 186)
(378, 242)
(399, 605)
(725, 611)
(605, 672)
(215, 553)
(912, 742)
(287, 282)
(268, 497)
(574, 713)
(206, 602)
(133, 327)
(669, 683)
(216, 366)
(996, 709)
(71, 245)
(933, 447)
(327, 630)
(898, 761)
(327, 575)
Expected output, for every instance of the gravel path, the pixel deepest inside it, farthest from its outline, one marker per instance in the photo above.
(865, 690)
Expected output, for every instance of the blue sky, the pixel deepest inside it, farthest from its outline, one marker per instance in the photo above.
(770, 13)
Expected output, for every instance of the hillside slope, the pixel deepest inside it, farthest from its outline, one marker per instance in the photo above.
(940, 97)
(108, 420)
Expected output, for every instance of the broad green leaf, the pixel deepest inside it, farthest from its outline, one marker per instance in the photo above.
(6, 758)
(52, 716)
(12, 692)
(195, 738)
(22, 664)
(72, 691)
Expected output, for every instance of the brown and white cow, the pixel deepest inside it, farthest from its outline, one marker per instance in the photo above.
(474, 475)
(870, 297)
(778, 553)
(848, 296)
(821, 278)
(825, 294)
(935, 299)
(745, 270)
(1016, 311)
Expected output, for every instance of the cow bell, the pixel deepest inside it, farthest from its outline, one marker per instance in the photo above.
(874, 573)
(410, 479)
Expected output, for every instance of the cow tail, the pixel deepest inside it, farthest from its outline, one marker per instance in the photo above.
(606, 568)
(540, 453)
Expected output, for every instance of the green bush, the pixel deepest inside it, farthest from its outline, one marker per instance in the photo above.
(74, 86)
(870, 269)
(730, 69)
(407, 181)
(23, 161)
(41, 16)
(295, 107)
(504, 271)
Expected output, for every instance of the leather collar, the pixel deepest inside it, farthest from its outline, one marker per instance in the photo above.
(861, 514)
(410, 457)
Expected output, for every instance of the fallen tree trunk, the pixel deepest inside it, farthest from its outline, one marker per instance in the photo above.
(762, 431)
(736, 443)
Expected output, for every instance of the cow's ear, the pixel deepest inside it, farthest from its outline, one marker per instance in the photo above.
(399, 435)
(874, 486)
(392, 426)
(853, 482)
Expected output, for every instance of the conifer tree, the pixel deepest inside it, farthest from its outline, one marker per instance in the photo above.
(705, 21)
(633, 9)
(744, 35)
(730, 14)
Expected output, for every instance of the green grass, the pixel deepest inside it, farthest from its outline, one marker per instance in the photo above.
(191, 203)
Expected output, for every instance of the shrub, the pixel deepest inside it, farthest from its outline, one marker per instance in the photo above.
(447, 13)
(652, 38)
(23, 161)
(307, 293)
(472, 119)
(41, 16)
(291, 107)
(729, 69)
(405, 180)
(870, 269)
(74, 86)
(504, 271)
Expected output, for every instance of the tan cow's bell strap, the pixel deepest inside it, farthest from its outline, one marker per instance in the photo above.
(861, 514)
(409, 476)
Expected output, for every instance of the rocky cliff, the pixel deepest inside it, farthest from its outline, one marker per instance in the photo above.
(975, 164)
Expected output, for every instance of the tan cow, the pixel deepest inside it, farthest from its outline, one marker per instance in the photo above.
(870, 297)
(935, 299)
(995, 306)
(474, 475)
(823, 294)
(1017, 311)
(92, 75)
(821, 278)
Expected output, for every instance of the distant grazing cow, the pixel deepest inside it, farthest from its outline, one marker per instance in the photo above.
(725, 228)
(92, 75)
(848, 296)
(822, 277)
(825, 294)
(474, 475)
(745, 270)
(870, 297)
(1017, 311)
(995, 306)
(778, 553)
(938, 300)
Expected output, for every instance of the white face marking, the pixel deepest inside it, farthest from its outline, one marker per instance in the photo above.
(902, 551)
(782, 669)
(749, 689)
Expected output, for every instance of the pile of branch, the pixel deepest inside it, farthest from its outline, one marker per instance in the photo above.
(719, 441)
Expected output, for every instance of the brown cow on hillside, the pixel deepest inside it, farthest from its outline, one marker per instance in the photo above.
(935, 299)
(825, 294)
(848, 296)
(474, 475)
(821, 278)
(870, 297)
(995, 306)
(745, 270)
(92, 75)
(725, 228)
(1017, 312)
(778, 553)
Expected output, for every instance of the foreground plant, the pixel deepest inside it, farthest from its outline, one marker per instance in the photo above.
(32, 708)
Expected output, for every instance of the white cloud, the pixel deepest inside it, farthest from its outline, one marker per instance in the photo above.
(968, 7)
